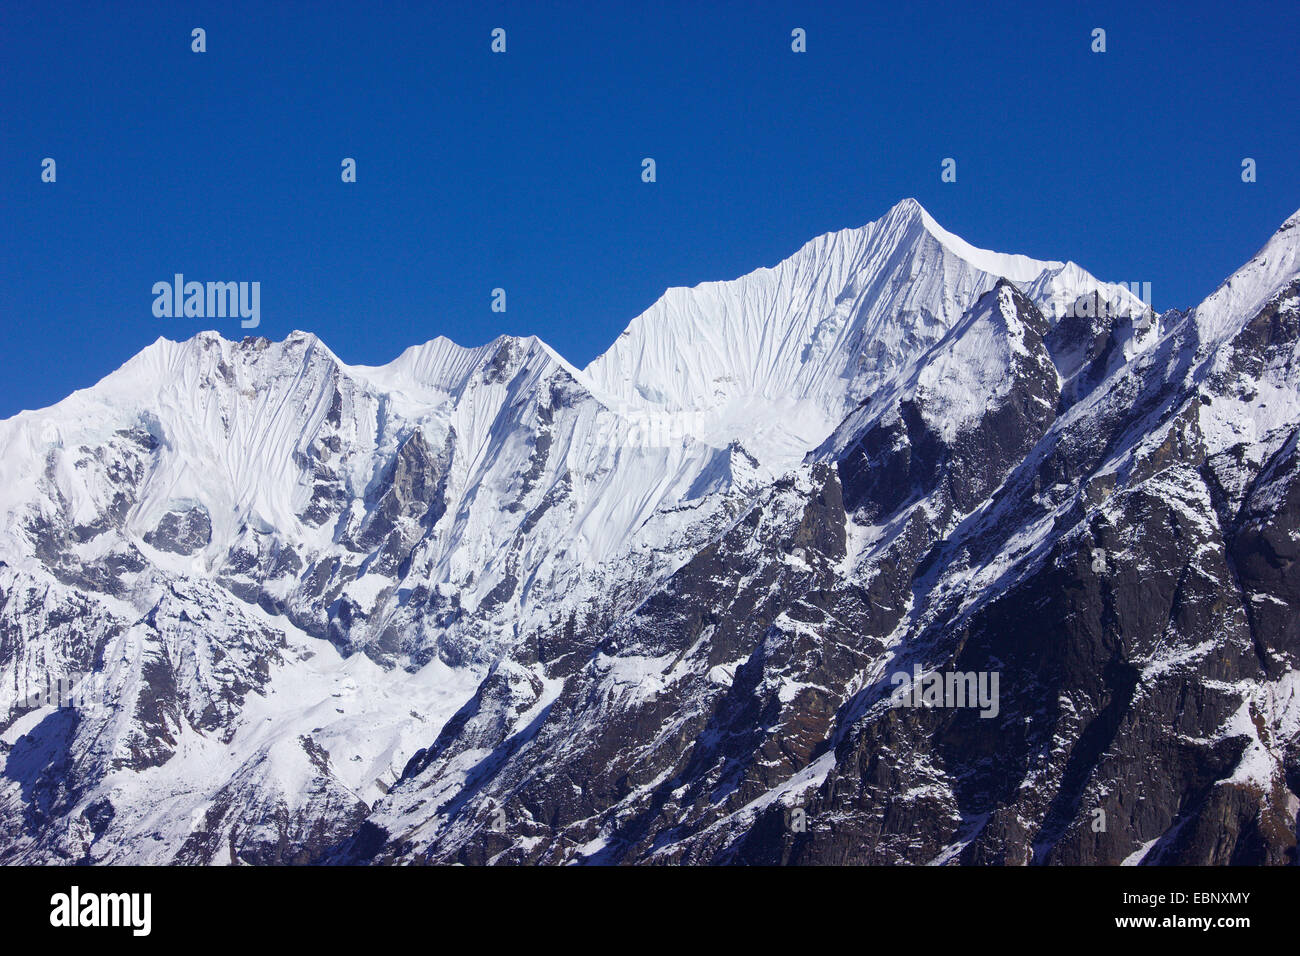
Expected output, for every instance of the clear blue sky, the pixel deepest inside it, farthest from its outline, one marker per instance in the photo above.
(522, 170)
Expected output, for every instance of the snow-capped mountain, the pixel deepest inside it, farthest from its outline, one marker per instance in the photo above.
(479, 605)
(797, 346)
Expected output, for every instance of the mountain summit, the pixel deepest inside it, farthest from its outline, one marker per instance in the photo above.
(800, 344)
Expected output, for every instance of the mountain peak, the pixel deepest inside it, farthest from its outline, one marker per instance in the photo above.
(908, 209)
(802, 342)
(1241, 296)
(1017, 268)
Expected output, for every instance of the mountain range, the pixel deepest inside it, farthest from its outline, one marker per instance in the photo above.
(481, 606)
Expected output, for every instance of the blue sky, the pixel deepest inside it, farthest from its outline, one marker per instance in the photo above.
(522, 170)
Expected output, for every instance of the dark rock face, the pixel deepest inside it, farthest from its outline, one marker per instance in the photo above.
(411, 491)
(1264, 552)
(182, 532)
